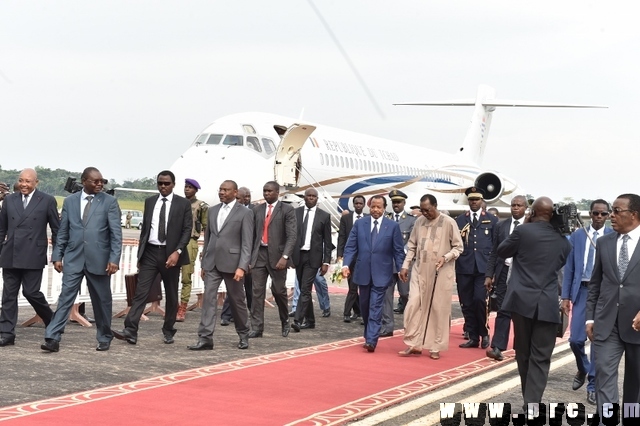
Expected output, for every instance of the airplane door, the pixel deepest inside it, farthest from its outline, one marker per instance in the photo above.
(287, 160)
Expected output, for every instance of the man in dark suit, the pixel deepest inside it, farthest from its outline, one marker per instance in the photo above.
(225, 256)
(577, 273)
(166, 230)
(539, 251)
(273, 242)
(90, 242)
(352, 302)
(496, 277)
(613, 305)
(312, 252)
(375, 246)
(23, 250)
(477, 229)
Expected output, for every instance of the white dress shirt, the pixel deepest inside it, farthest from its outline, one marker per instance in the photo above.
(632, 242)
(155, 219)
(312, 215)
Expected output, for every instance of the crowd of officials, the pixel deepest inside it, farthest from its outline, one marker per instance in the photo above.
(514, 263)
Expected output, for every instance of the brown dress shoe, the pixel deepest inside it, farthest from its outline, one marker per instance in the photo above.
(182, 312)
(410, 351)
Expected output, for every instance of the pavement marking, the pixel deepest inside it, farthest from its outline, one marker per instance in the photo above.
(442, 394)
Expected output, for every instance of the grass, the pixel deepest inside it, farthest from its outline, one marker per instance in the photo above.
(124, 204)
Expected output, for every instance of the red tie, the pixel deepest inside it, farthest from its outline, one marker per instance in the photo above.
(265, 231)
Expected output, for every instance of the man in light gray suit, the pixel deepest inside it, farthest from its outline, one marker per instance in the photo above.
(275, 236)
(226, 256)
(90, 242)
(613, 308)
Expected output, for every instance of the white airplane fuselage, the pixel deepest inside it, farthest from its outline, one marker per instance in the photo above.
(339, 163)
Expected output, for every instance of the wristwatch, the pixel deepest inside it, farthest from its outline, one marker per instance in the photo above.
(285, 257)
(179, 251)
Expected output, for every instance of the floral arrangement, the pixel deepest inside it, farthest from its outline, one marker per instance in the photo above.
(336, 273)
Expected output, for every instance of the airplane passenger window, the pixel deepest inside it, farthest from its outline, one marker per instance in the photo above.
(321, 160)
(332, 160)
(214, 139)
(326, 159)
(253, 143)
(351, 163)
(233, 140)
(269, 147)
(359, 160)
(342, 161)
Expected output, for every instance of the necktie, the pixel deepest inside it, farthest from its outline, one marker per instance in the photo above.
(265, 231)
(397, 217)
(516, 223)
(222, 215)
(623, 259)
(588, 269)
(358, 217)
(25, 201)
(85, 212)
(475, 219)
(305, 222)
(374, 233)
(162, 226)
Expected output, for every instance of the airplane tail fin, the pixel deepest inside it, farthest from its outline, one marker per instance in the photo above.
(484, 104)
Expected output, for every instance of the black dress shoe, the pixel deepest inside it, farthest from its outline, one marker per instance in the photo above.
(326, 313)
(578, 380)
(201, 345)
(369, 347)
(296, 327)
(124, 335)
(361, 322)
(495, 354)
(465, 335)
(103, 346)
(469, 344)
(389, 334)
(347, 318)
(591, 397)
(50, 345)
(254, 334)
(167, 339)
(292, 314)
(6, 341)
(306, 325)
(243, 343)
(224, 322)
(484, 344)
(354, 317)
(89, 319)
(398, 311)
(286, 328)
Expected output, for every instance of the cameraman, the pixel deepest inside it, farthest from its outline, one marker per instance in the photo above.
(539, 251)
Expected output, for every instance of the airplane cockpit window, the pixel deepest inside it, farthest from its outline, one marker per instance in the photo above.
(269, 146)
(201, 139)
(248, 128)
(233, 140)
(214, 139)
(254, 143)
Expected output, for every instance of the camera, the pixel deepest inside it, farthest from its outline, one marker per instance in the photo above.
(565, 218)
(72, 186)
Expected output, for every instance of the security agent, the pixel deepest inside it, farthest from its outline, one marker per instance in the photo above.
(477, 229)
(406, 221)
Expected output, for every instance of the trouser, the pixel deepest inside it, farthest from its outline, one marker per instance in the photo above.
(306, 275)
(30, 280)
(261, 272)
(187, 270)
(503, 318)
(473, 300)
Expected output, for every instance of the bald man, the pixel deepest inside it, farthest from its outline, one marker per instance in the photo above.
(539, 251)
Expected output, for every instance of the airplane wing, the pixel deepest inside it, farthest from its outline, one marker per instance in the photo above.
(151, 191)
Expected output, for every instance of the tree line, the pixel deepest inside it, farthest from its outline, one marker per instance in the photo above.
(52, 181)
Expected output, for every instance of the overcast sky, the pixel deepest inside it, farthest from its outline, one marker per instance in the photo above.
(127, 85)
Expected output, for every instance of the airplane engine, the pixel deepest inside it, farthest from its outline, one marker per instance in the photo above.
(491, 184)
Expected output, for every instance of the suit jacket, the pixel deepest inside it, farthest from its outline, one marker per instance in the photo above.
(283, 229)
(478, 242)
(321, 245)
(575, 262)
(179, 226)
(374, 264)
(539, 252)
(346, 223)
(23, 232)
(229, 247)
(91, 246)
(611, 298)
(495, 263)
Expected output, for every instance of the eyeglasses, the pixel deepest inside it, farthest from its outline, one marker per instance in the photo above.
(618, 210)
(165, 183)
(603, 214)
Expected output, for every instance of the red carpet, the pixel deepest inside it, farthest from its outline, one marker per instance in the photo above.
(262, 390)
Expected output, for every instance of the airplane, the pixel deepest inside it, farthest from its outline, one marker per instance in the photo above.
(253, 148)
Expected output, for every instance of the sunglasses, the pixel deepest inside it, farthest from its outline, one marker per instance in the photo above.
(603, 214)
(99, 181)
(165, 183)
